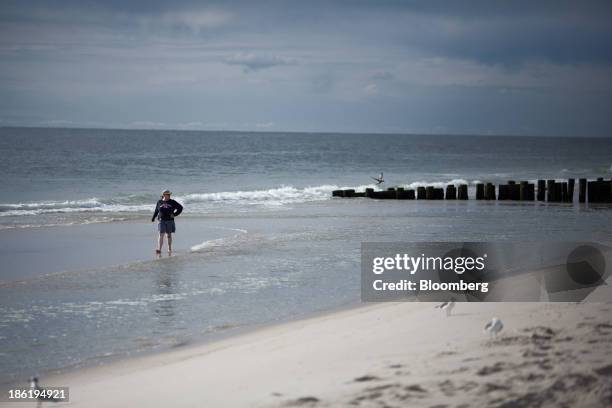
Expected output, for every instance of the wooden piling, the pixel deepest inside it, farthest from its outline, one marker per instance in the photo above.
(421, 193)
(604, 191)
(503, 192)
(490, 191)
(514, 191)
(451, 192)
(600, 190)
(596, 191)
(463, 192)
(582, 190)
(384, 195)
(592, 193)
(550, 186)
(388, 195)
(558, 192)
(523, 192)
(429, 193)
(402, 194)
(530, 193)
(480, 191)
(541, 190)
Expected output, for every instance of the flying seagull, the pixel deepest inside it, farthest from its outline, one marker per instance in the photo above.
(447, 306)
(380, 179)
(494, 327)
(34, 386)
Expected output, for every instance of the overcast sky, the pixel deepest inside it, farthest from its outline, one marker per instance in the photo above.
(475, 67)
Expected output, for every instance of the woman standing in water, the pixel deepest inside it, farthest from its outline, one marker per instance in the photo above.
(165, 211)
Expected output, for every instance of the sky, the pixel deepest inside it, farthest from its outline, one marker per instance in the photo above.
(440, 67)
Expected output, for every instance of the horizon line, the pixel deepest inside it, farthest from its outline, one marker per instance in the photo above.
(300, 132)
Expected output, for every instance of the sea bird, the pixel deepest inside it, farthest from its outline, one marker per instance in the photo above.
(380, 179)
(447, 306)
(494, 327)
(41, 398)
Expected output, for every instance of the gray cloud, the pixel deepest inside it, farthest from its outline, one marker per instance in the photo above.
(530, 67)
(252, 62)
(382, 76)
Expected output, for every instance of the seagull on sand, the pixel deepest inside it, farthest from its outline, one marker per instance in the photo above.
(447, 306)
(494, 327)
(380, 179)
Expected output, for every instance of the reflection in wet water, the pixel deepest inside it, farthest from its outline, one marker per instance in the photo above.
(166, 285)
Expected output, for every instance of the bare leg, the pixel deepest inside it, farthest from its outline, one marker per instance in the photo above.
(169, 243)
(160, 242)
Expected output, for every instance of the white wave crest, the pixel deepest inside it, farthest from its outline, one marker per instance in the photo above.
(214, 243)
(87, 203)
(439, 184)
(79, 206)
(273, 196)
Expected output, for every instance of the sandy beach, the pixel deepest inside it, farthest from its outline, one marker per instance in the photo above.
(392, 354)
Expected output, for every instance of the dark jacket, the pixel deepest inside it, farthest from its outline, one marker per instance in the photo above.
(167, 210)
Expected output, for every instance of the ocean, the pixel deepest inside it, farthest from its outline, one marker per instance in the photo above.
(260, 241)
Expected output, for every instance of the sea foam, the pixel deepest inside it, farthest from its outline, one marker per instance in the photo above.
(201, 202)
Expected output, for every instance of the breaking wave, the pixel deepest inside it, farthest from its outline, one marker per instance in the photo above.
(440, 184)
(198, 202)
(274, 196)
(71, 206)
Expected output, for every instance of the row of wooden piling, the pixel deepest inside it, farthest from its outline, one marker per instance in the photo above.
(595, 191)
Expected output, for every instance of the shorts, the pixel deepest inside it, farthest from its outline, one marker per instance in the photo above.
(166, 227)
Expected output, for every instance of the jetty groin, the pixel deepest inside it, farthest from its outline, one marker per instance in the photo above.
(552, 191)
